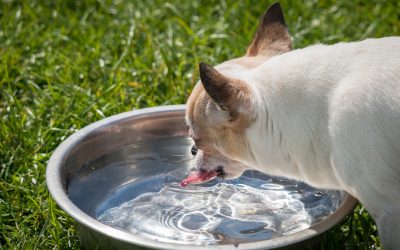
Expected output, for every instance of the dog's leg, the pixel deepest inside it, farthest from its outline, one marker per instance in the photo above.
(382, 200)
(389, 229)
(365, 154)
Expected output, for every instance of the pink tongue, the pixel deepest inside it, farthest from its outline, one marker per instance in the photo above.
(199, 177)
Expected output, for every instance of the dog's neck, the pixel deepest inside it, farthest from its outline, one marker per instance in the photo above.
(292, 113)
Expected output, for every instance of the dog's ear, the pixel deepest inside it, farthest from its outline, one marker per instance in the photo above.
(272, 36)
(231, 95)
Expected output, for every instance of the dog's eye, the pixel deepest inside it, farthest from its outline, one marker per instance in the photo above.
(194, 150)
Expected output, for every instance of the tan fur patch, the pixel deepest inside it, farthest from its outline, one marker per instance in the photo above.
(272, 36)
(250, 62)
(208, 136)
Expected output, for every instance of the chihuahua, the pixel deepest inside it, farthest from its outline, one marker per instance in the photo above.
(328, 115)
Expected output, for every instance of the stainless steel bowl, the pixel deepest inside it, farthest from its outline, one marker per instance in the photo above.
(125, 129)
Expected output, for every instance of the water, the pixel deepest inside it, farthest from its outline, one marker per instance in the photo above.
(145, 198)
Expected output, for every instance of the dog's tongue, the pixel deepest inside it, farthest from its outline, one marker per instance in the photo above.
(199, 177)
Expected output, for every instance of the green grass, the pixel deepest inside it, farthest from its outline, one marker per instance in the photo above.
(66, 64)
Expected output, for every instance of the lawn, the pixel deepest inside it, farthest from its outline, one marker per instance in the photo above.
(66, 64)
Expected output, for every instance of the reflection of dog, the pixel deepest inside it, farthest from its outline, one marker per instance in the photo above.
(327, 115)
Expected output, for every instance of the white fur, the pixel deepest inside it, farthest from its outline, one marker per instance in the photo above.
(330, 116)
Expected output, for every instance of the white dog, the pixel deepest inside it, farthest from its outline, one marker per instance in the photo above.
(328, 115)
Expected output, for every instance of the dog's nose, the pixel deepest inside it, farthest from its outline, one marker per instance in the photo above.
(194, 150)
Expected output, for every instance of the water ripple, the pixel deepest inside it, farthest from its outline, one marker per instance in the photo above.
(213, 214)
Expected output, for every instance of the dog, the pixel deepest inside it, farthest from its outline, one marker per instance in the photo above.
(328, 115)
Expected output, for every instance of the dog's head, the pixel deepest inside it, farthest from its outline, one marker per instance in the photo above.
(221, 106)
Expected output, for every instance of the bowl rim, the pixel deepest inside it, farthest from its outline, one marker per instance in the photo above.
(59, 194)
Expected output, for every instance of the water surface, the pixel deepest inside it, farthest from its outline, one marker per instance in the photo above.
(136, 189)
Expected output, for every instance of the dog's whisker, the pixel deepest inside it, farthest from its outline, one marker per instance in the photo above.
(181, 160)
(182, 155)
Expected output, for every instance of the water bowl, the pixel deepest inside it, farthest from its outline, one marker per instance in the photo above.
(119, 180)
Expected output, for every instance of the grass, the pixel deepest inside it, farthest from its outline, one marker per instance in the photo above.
(66, 64)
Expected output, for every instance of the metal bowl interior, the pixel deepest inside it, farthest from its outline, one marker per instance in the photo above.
(70, 159)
